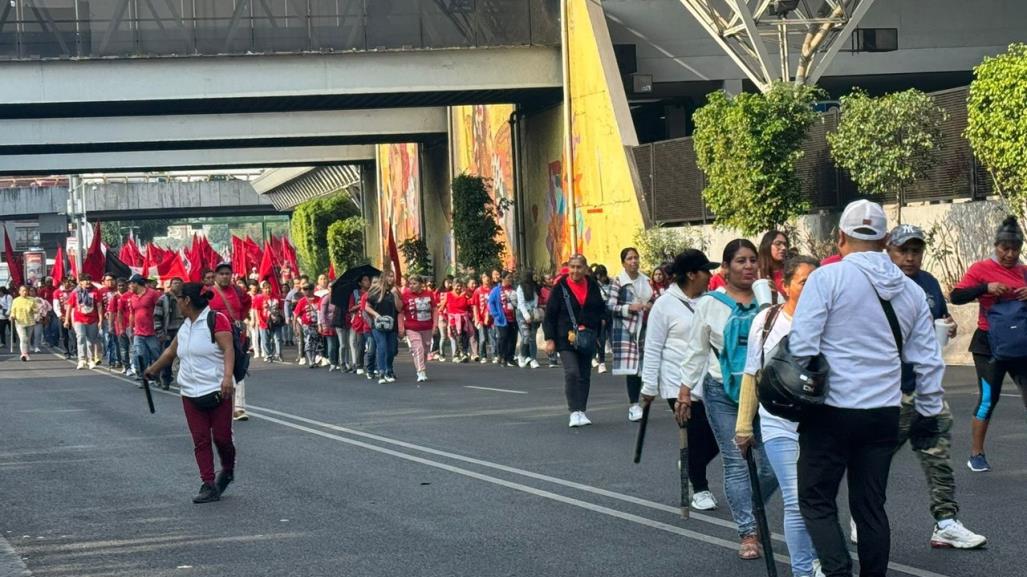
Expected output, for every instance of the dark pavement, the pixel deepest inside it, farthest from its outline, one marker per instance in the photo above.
(341, 476)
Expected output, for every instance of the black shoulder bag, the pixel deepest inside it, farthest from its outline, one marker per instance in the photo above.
(583, 339)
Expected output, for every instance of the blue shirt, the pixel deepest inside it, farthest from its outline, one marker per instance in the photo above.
(939, 310)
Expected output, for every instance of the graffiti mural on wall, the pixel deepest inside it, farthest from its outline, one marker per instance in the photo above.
(399, 172)
(558, 232)
(483, 147)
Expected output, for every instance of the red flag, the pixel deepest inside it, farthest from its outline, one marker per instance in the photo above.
(93, 263)
(12, 262)
(268, 272)
(238, 256)
(289, 256)
(147, 262)
(170, 267)
(394, 257)
(57, 270)
(253, 254)
(331, 271)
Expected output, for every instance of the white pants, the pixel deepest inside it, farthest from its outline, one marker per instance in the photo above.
(239, 398)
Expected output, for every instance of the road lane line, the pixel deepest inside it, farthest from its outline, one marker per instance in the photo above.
(725, 543)
(496, 390)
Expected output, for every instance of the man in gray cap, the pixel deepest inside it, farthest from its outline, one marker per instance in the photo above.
(906, 244)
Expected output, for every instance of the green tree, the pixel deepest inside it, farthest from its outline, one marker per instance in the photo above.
(888, 142)
(416, 256)
(748, 146)
(346, 243)
(310, 222)
(658, 245)
(997, 123)
(475, 226)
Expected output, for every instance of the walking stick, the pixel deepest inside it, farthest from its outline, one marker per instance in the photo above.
(686, 489)
(761, 515)
(640, 439)
(146, 383)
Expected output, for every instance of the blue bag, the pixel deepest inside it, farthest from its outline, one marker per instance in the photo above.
(736, 343)
(1007, 330)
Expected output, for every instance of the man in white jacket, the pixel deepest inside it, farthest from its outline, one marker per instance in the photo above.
(842, 316)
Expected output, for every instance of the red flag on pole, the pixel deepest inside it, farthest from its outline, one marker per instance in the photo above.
(238, 256)
(147, 262)
(394, 257)
(57, 270)
(253, 254)
(171, 267)
(12, 262)
(267, 271)
(331, 271)
(93, 263)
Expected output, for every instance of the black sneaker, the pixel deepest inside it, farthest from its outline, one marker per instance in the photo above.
(223, 480)
(208, 494)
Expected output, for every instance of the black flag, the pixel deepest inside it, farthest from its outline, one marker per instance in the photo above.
(115, 267)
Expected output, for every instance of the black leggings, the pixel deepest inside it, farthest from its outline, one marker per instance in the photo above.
(634, 388)
(702, 446)
(577, 379)
(990, 374)
(508, 342)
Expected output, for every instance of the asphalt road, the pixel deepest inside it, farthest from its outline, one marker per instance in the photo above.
(474, 473)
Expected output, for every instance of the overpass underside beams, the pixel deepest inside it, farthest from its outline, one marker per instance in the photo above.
(416, 202)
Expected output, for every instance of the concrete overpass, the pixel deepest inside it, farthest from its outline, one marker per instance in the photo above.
(139, 200)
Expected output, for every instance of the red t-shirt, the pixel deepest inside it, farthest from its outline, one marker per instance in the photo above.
(831, 259)
(418, 309)
(308, 309)
(988, 271)
(579, 289)
(238, 307)
(508, 297)
(356, 311)
(107, 295)
(264, 305)
(458, 304)
(481, 302)
(716, 281)
(46, 293)
(86, 311)
(142, 312)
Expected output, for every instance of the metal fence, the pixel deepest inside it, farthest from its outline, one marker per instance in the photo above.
(672, 182)
(39, 29)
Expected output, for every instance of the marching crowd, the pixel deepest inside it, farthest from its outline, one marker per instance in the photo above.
(713, 339)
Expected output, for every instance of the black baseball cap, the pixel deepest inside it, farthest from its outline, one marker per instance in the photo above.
(223, 265)
(692, 260)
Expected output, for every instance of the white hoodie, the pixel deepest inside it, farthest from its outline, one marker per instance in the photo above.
(839, 315)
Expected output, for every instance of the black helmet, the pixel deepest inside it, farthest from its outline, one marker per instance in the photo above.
(789, 385)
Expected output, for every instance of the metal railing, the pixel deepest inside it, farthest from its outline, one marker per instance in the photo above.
(63, 29)
(672, 182)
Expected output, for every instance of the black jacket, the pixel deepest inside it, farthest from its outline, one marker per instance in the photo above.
(557, 323)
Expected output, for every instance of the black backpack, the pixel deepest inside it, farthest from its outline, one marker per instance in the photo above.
(242, 358)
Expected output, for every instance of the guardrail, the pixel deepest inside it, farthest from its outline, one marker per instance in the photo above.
(43, 29)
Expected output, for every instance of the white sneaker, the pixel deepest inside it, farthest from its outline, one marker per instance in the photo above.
(635, 413)
(583, 420)
(595, 363)
(575, 420)
(495, 360)
(382, 381)
(534, 364)
(35, 350)
(92, 365)
(602, 368)
(456, 358)
(704, 501)
(302, 361)
(522, 362)
(422, 377)
(332, 368)
(360, 371)
(390, 379)
(81, 365)
(130, 373)
(956, 536)
(853, 535)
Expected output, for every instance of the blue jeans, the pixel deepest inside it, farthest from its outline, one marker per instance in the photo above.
(272, 340)
(783, 455)
(723, 413)
(386, 346)
(528, 332)
(111, 348)
(146, 347)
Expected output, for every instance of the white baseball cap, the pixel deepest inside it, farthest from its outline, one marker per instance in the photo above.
(864, 220)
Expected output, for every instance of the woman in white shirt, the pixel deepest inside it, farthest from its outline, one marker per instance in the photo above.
(718, 367)
(529, 319)
(779, 437)
(205, 376)
(666, 344)
(630, 298)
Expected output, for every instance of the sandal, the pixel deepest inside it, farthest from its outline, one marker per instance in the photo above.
(749, 548)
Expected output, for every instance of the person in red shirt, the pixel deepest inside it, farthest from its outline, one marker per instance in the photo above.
(458, 320)
(308, 311)
(235, 304)
(360, 329)
(483, 321)
(123, 322)
(326, 327)
(60, 309)
(83, 312)
(999, 278)
(142, 300)
(271, 321)
(439, 332)
(419, 316)
(108, 335)
(472, 296)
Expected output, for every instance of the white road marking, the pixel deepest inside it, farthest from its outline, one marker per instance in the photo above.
(725, 543)
(496, 390)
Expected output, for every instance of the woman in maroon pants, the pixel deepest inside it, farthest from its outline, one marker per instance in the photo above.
(205, 378)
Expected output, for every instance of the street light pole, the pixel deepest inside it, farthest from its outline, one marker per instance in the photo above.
(76, 212)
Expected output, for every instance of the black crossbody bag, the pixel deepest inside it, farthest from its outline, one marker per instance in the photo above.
(583, 339)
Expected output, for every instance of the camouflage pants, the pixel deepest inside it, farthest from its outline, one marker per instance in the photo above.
(935, 461)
